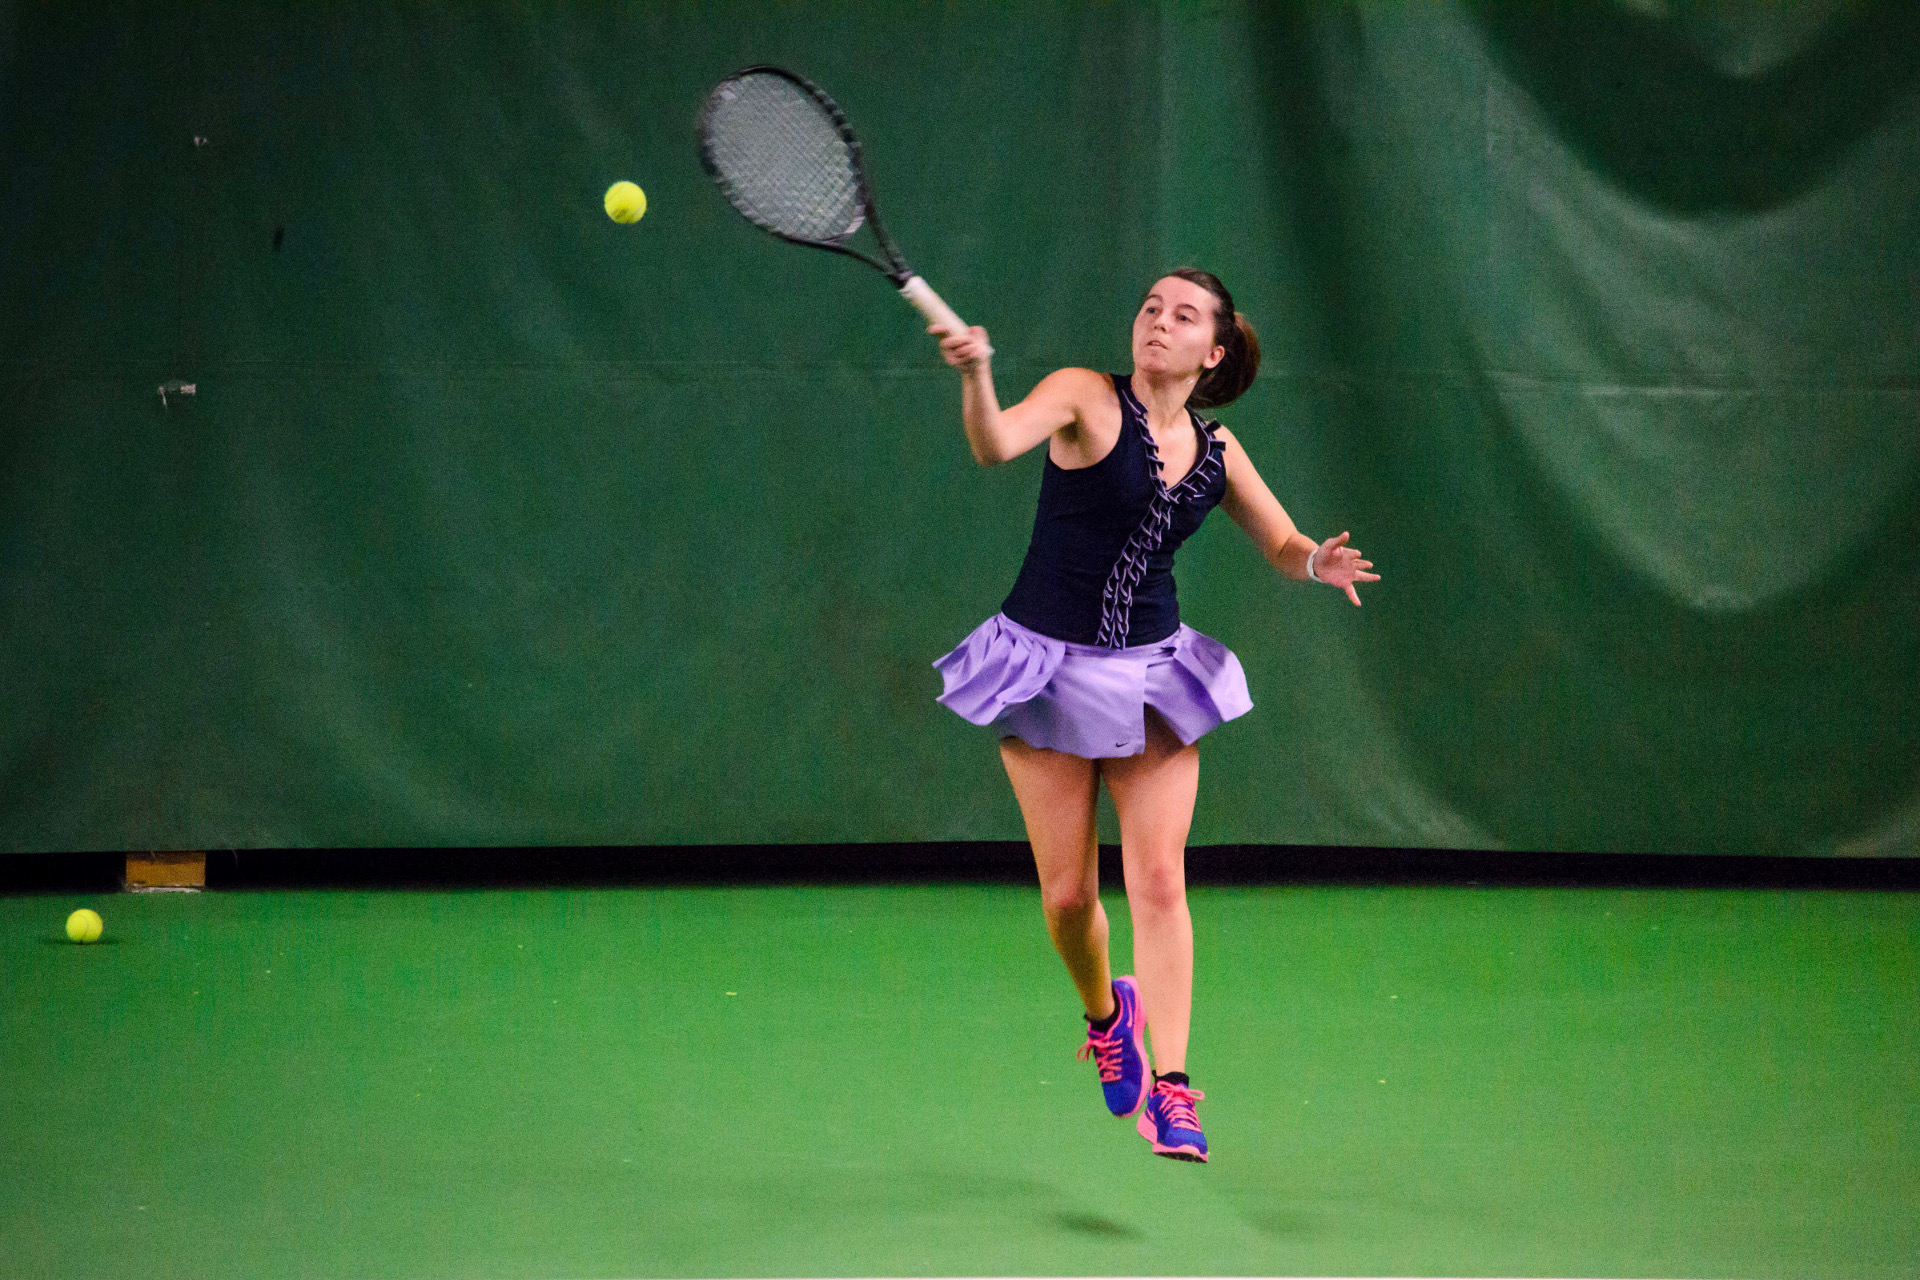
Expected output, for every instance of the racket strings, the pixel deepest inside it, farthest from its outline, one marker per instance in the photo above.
(782, 161)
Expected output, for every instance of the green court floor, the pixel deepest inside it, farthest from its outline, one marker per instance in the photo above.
(857, 1081)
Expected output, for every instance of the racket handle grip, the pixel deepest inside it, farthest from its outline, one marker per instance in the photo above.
(928, 303)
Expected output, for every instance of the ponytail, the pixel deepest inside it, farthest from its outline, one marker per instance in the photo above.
(1224, 383)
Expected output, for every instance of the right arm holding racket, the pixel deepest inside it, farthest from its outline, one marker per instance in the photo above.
(997, 435)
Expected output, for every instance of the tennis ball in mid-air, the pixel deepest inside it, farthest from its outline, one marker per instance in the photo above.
(626, 202)
(84, 926)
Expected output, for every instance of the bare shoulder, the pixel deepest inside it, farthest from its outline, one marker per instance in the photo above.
(1082, 387)
(1091, 408)
(1080, 397)
(1082, 377)
(1242, 475)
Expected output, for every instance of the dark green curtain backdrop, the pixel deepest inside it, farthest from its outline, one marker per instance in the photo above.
(495, 523)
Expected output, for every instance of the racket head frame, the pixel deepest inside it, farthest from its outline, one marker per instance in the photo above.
(895, 267)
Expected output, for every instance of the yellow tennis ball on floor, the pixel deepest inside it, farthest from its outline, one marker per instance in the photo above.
(626, 202)
(84, 926)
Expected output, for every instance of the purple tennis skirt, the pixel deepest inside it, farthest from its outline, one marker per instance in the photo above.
(1086, 700)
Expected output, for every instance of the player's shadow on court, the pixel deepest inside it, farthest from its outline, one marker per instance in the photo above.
(1092, 1224)
(1278, 1224)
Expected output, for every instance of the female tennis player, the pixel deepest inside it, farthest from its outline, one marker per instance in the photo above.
(1088, 675)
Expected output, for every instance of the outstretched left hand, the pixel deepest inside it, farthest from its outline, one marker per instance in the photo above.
(1339, 565)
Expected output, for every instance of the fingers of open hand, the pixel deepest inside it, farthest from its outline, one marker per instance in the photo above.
(1347, 560)
(1341, 565)
(1345, 567)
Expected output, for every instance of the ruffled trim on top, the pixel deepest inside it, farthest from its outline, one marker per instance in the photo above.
(1116, 599)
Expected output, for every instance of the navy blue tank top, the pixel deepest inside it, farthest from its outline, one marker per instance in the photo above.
(1100, 567)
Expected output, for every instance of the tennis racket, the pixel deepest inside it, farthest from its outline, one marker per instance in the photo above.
(784, 156)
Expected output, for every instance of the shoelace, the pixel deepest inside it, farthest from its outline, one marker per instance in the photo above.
(1104, 1048)
(1177, 1105)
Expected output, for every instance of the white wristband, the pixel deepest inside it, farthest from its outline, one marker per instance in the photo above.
(1311, 575)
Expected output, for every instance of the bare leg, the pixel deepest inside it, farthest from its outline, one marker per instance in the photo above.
(1153, 793)
(1056, 793)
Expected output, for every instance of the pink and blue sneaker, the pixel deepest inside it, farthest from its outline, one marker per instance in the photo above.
(1121, 1051)
(1169, 1122)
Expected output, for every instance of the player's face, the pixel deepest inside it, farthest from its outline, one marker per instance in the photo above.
(1173, 334)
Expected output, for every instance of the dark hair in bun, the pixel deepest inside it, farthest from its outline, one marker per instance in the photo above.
(1224, 383)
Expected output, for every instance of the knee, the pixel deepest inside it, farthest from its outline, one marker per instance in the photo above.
(1158, 889)
(1062, 902)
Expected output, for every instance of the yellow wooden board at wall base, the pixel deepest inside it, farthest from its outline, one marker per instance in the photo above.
(170, 870)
